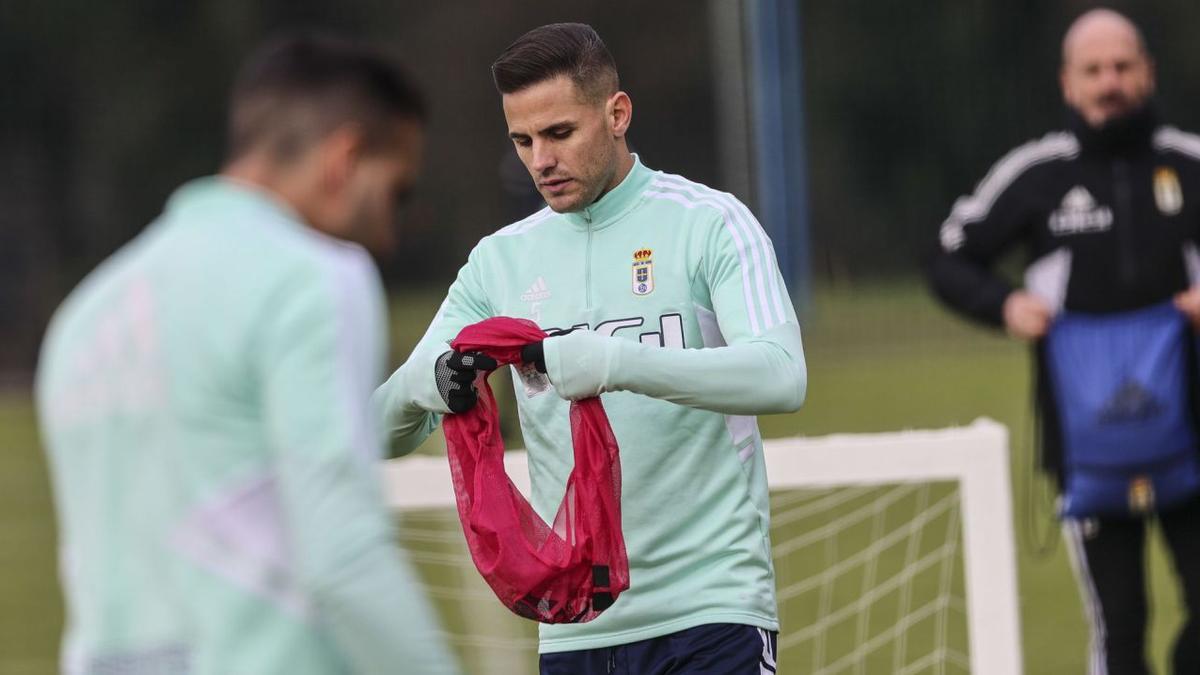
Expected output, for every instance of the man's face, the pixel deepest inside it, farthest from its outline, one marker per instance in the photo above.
(1106, 74)
(377, 186)
(569, 145)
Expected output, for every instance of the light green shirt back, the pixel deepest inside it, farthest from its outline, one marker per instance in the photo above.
(203, 399)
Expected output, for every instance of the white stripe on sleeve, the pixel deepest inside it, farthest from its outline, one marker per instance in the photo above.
(1170, 138)
(762, 253)
(976, 206)
(526, 224)
(764, 296)
(751, 312)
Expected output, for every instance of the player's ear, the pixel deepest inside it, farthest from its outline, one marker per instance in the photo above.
(620, 113)
(1064, 83)
(339, 154)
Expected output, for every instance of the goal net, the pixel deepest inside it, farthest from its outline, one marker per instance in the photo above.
(893, 554)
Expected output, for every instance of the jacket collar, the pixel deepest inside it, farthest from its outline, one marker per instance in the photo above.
(1121, 136)
(225, 192)
(616, 202)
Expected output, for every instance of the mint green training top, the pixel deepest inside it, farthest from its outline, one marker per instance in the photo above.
(203, 398)
(691, 333)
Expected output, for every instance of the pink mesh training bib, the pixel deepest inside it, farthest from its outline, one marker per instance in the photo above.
(565, 573)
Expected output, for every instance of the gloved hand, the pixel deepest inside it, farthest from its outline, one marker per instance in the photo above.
(534, 353)
(580, 364)
(455, 373)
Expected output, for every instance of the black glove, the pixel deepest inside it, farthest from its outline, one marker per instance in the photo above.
(455, 374)
(534, 353)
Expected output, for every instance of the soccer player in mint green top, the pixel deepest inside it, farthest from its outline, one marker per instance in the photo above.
(687, 333)
(203, 396)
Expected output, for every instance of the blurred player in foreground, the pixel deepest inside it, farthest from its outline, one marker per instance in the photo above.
(685, 327)
(1110, 213)
(203, 397)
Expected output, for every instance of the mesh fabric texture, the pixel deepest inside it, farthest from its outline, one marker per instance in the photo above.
(565, 572)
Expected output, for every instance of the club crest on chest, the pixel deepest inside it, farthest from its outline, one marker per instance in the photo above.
(1168, 196)
(643, 271)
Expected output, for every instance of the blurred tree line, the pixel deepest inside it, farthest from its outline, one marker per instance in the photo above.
(108, 106)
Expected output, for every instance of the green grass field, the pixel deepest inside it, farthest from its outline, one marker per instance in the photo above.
(880, 359)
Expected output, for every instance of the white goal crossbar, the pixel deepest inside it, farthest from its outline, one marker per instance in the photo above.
(976, 457)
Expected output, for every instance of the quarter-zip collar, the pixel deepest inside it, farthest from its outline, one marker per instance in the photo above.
(616, 203)
(1123, 136)
(226, 193)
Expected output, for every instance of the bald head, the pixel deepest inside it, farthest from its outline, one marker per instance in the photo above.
(1104, 26)
(1106, 70)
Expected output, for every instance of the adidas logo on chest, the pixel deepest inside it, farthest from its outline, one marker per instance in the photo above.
(1079, 213)
(536, 292)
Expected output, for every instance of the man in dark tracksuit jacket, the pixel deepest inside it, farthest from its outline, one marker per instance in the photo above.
(1109, 212)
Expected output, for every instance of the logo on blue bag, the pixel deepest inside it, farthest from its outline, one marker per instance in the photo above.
(1131, 403)
(1141, 494)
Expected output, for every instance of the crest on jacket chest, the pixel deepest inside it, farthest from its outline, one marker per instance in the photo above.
(1168, 196)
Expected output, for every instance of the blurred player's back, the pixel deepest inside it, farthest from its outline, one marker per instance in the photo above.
(203, 397)
(149, 390)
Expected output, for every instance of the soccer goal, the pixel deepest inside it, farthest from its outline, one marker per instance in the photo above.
(893, 553)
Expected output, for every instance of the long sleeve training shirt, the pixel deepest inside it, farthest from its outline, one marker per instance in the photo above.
(689, 333)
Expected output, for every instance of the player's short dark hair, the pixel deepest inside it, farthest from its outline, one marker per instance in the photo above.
(571, 49)
(299, 87)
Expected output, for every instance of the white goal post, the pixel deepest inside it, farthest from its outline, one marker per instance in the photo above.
(975, 457)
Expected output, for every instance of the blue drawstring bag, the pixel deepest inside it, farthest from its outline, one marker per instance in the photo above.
(1120, 382)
